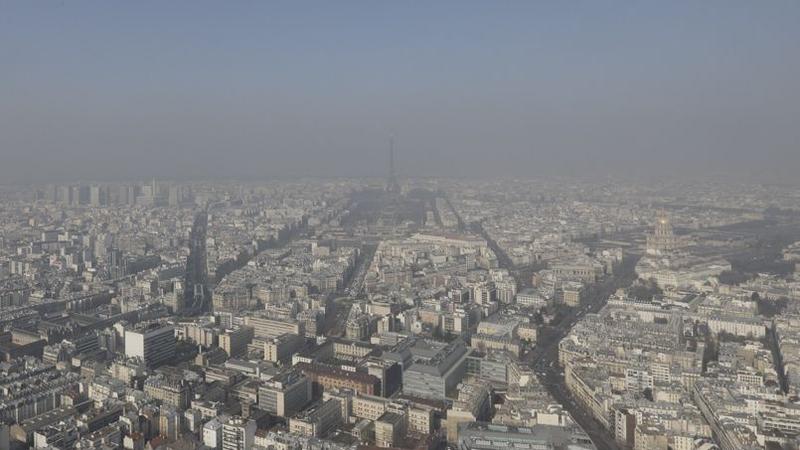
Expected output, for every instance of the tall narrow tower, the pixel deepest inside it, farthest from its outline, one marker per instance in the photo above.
(391, 184)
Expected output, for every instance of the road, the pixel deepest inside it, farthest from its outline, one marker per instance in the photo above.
(502, 258)
(196, 268)
(339, 308)
(355, 285)
(544, 357)
(337, 316)
(522, 274)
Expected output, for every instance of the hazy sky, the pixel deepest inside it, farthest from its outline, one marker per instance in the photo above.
(110, 89)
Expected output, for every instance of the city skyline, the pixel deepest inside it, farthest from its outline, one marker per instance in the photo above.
(361, 225)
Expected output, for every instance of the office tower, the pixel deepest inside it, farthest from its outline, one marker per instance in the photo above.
(474, 403)
(285, 394)
(74, 195)
(281, 348)
(317, 421)
(94, 196)
(175, 195)
(63, 195)
(127, 194)
(266, 327)
(389, 372)
(238, 434)
(113, 195)
(234, 341)
(116, 263)
(51, 193)
(153, 342)
(212, 433)
(436, 368)
(390, 429)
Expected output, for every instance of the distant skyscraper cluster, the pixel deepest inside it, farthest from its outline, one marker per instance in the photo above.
(95, 195)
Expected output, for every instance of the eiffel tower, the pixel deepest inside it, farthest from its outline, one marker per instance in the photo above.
(392, 186)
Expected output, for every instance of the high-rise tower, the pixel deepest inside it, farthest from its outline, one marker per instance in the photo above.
(391, 184)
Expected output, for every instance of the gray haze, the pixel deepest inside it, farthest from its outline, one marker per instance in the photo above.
(252, 90)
